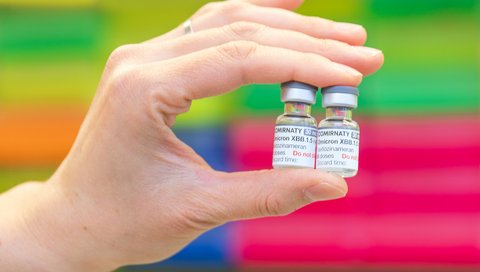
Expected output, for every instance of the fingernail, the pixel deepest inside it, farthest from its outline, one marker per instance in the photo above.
(348, 27)
(349, 70)
(325, 191)
(368, 51)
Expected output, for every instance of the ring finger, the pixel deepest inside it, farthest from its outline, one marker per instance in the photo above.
(218, 14)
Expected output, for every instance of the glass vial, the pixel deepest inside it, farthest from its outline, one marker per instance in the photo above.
(338, 135)
(295, 131)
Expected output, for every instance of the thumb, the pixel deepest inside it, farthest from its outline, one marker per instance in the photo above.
(289, 4)
(277, 192)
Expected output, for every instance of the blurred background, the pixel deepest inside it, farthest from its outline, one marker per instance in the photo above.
(415, 204)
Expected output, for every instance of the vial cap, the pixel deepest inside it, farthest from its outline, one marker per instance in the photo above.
(294, 91)
(340, 96)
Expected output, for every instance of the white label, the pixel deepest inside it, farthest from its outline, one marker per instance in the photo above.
(337, 148)
(294, 146)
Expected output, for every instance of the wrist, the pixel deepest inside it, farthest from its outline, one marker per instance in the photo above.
(40, 234)
(21, 248)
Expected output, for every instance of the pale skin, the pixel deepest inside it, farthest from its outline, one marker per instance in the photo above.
(129, 191)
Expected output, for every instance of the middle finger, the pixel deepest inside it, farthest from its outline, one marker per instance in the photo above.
(364, 59)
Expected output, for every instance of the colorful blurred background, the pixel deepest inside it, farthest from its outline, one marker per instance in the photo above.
(416, 201)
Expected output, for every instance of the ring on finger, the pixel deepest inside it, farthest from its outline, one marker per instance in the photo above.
(187, 27)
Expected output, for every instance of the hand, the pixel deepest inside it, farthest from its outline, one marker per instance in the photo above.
(129, 191)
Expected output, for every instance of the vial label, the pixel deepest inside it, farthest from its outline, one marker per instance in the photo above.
(337, 148)
(294, 146)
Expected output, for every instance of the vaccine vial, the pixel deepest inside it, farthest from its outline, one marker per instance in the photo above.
(338, 135)
(295, 131)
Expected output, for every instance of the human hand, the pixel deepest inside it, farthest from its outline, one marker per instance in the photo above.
(129, 191)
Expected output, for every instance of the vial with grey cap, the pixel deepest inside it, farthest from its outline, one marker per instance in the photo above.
(295, 131)
(338, 135)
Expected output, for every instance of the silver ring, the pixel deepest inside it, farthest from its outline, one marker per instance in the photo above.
(187, 27)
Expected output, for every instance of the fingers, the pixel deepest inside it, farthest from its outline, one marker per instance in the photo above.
(223, 68)
(174, 83)
(366, 60)
(222, 13)
(290, 4)
(276, 192)
(313, 26)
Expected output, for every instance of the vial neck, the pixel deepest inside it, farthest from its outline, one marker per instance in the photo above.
(342, 113)
(297, 108)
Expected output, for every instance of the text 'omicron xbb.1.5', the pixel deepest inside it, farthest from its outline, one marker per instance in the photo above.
(333, 146)
(296, 130)
(338, 135)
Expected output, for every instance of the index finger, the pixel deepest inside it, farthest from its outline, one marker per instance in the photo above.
(217, 70)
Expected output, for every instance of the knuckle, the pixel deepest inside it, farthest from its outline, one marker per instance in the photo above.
(245, 29)
(324, 45)
(270, 205)
(209, 7)
(238, 50)
(230, 7)
(227, 11)
(225, 8)
(324, 23)
(120, 55)
(195, 219)
(311, 59)
(199, 215)
(313, 21)
(162, 106)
